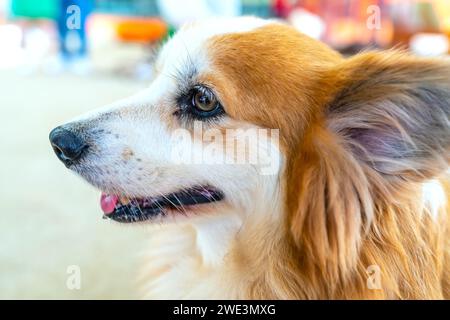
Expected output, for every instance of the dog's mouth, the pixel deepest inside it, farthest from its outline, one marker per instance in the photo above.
(127, 210)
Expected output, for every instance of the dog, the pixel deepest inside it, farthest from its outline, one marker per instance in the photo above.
(354, 204)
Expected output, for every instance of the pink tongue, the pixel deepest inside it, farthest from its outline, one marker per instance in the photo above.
(108, 203)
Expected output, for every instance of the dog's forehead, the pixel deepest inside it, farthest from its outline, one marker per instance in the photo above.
(188, 47)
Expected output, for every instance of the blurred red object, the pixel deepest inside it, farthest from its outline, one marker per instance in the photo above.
(282, 8)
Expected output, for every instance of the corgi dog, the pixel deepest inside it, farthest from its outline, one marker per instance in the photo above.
(276, 168)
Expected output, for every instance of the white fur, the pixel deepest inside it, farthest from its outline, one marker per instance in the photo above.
(434, 198)
(189, 44)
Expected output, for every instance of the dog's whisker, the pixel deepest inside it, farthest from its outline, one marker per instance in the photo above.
(210, 195)
(177, 207)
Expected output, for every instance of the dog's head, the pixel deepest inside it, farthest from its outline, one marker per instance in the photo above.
(250, 117)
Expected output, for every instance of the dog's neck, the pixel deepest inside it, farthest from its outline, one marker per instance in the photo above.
(205, 257)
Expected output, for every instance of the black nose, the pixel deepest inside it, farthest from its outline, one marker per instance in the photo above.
(67, 145)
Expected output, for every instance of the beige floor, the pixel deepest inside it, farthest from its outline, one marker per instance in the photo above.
(49, 218)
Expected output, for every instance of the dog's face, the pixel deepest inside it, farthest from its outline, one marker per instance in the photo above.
(181, 147)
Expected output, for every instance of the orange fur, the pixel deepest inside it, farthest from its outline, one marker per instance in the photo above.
(346, 208)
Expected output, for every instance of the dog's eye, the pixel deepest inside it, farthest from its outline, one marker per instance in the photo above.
(204, 100)
(204, 103)
(199, 103)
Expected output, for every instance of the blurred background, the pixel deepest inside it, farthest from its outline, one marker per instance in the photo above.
(60, 58)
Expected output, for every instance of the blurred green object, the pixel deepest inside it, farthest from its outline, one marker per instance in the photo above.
(171, 31)
(42, 9)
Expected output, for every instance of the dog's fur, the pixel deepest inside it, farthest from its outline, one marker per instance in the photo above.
(363, 181)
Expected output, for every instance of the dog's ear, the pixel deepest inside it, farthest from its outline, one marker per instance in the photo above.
(387, 120)
(393, 112)
(328, 201)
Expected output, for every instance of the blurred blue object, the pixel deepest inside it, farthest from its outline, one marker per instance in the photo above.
(260, 8)
(147, 8)
(72, 27)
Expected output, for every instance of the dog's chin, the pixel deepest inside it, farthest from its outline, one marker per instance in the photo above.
(129, 209)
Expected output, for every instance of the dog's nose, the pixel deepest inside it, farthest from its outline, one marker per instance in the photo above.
(67, 145)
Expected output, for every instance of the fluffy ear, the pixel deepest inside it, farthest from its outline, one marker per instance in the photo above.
(388, 120)
(393, 111)
(329, 205)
